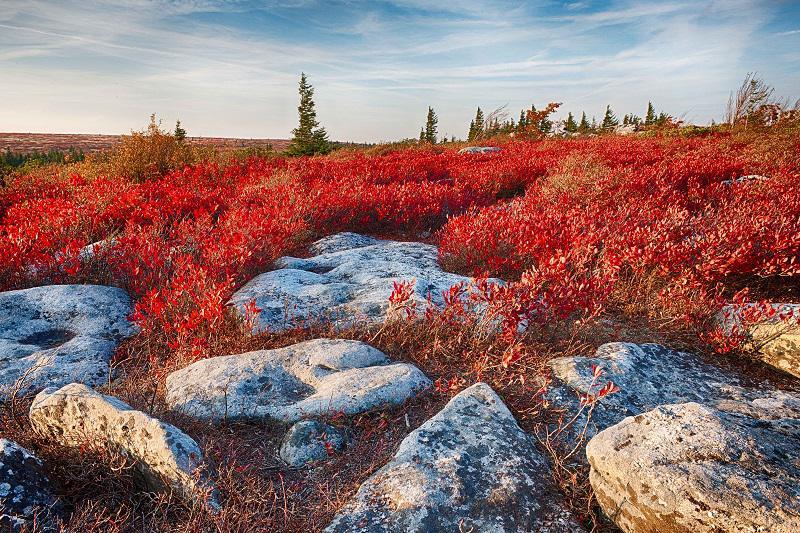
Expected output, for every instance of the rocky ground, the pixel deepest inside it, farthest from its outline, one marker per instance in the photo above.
(673, 441)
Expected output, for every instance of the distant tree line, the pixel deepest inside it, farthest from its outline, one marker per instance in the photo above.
(24, 161)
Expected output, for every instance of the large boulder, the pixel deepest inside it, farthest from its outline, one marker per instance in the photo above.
(775, 339)
(312, 378)
(167, 458)
(59, 334)
(349, 280)
(648, 375)
(25, 492)
(311, 440)
(697, 468)
(469, 468)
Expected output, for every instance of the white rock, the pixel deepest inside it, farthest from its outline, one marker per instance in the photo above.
(75, 415)
(58, 334)
(480, 150)
(312, 378)
(469, 468)
(351, 279)
(695, 468)
(648, 375)
(25, 492)
(306, 442)
(777, 341)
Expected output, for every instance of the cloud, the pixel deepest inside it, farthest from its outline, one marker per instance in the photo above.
(230, 68)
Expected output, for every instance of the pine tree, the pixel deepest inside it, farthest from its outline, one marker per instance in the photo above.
(523, 121)
(476, 127)
(422, 135)
(309, 138)
(570, 126)
(650, 117)
(180, 133)
(609, 120)
(584, 127)
(593, 127)
(430, 126)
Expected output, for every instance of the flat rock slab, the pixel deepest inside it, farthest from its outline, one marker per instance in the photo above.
(469, 468)
(350, 280)
(648, 375)
(59, 334)
(76, 415)
(311, 440)
(776, 340)
(25, 492)
(312, 378)
(696, 468)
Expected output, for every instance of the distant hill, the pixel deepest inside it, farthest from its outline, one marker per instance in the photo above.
(43, 142)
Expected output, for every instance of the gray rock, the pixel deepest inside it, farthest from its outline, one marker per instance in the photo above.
(58, 334)
(776, 341)
(25, 492)
(312, 378)
(648, 375)
(696, 468)
(75, 415)
(480, 150)
(469, 468)
(350, 280)
(306, 441)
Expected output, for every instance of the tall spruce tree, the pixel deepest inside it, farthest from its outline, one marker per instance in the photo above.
(309, 138)
(180, 133)
(570, 126)
(584, 127)
(650, 117)
(431, 123)
(476, 126)
(523, 121)
(609, 120)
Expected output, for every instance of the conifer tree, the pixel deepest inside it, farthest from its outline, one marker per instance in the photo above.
(431, 126)
(584, 127)
(476, 126)
(570, 126)
(309, 138)
(180, 133)
(609, 120)
(650, 117)
(523, 121)
(593, 127)
(422, 135)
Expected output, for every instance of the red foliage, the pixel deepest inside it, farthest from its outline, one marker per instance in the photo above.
(182, 243)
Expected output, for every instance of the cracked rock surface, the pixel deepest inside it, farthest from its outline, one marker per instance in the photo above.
(696, 468)
(350, 279)
(313, 378)
(25, 492)
(58, 334)
(469, 468)
(167, 458)
(311, 440)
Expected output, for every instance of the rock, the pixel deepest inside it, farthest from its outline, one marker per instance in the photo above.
(695, 468)
(310, 440)
(776, 340)
(165, 456)
(58, 334)
(480, 150)
(351, 279)
(469, 468)
(625, 129)
(312, 378)
(25, 492)
(648, 375)
(745, 179)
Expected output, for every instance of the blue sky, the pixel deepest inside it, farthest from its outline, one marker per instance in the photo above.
(231, 68)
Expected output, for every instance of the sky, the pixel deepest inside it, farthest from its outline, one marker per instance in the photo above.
(231, 68)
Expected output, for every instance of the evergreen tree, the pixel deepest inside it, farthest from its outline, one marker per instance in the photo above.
(476, 127)
(523, 121)
(422, 135)
(650, 117)
(584, 127)
(609, 120)
(570, 126)
(309, 138)
(593, 127)
(430, 126)
(662, 119)
(180, 133)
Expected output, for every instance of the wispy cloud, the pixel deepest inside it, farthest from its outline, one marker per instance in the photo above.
(231, 67)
